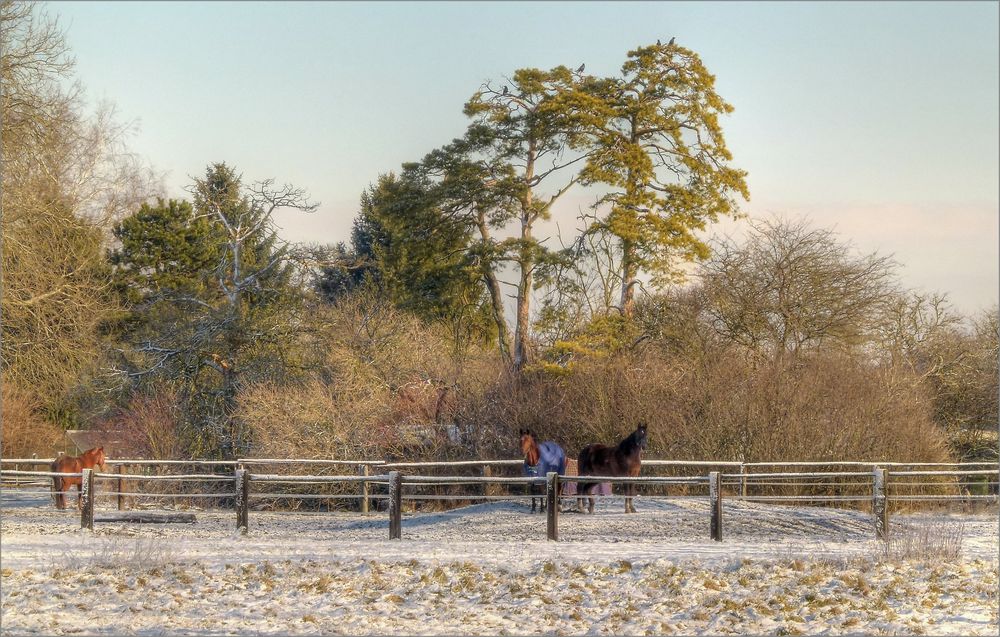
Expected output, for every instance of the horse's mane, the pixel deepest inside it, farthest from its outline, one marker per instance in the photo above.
(629, 442)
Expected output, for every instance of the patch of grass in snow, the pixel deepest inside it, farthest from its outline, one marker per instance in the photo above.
(856, 581)
(928, 541)
(714, 584)
(572, 598)
(182, 576)
(437, 576)
(119, 552)
(812, 578)
(320, 586)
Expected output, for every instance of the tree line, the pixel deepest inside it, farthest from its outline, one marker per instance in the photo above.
(186, 327)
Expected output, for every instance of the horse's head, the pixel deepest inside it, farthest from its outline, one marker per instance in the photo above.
(98, 458)
(641, 439)
(529, 448)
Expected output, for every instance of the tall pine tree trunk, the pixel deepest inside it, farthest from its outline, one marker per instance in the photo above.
(496, 297)
(526, 263)
(523, 324)
(630, 272)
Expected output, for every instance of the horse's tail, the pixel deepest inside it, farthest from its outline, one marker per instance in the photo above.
(584, 466)
(583, 460)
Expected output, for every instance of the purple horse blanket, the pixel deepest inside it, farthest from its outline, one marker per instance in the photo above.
(570, 488)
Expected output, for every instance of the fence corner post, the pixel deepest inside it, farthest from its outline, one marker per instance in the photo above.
(242, 480)
(552, 502)
(743, 480)
(715, 502)
(87, 500)
(880, 503)
(395, 505)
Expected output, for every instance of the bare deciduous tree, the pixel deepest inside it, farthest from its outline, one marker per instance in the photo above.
(65, 175)
(790, 287)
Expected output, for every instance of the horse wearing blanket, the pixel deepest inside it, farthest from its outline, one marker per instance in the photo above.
(539, 460)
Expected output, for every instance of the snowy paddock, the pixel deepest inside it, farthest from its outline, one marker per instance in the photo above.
(487, 569)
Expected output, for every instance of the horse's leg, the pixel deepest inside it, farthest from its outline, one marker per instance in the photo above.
(589, 492)
(629, 492)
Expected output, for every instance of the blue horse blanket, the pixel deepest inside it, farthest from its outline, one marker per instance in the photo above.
(551, 457)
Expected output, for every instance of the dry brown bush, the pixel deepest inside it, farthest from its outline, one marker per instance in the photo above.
(309, 422)
(816, 408)
(150, 426)
(724, 407)
(384, 385)
(25, 430)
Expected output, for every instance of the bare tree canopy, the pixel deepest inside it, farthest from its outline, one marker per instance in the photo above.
(790, 287)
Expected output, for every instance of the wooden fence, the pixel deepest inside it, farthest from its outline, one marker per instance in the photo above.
(877, 484)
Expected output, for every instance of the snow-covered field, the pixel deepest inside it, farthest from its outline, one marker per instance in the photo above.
(487, 569)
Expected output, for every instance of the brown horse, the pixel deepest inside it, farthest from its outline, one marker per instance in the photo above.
(539, 460)
(623, 460)
(74, 464)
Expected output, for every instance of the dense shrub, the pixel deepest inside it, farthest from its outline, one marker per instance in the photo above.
(25, 429)
(721, 407)
(149, 426)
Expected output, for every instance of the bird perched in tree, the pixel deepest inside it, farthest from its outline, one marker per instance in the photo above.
(671, 41)
(504, 89)
(658, 43)
(580, 70)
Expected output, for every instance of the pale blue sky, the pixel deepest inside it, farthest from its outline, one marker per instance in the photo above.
(878, 119)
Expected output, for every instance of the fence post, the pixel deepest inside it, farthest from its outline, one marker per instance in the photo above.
(242, 501)
(87, 500)
(364, 488)
(487, 473)
(743, 480)
(715, 501)
(120, 489)
(552, 502)
(395, 505)
(880, 504)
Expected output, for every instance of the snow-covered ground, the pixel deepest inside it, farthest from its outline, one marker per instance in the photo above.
(487, 569)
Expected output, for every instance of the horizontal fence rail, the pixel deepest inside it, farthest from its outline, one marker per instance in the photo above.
(650, 462)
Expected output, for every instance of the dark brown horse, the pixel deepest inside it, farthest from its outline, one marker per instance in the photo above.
(74, 464)
(623, 460)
